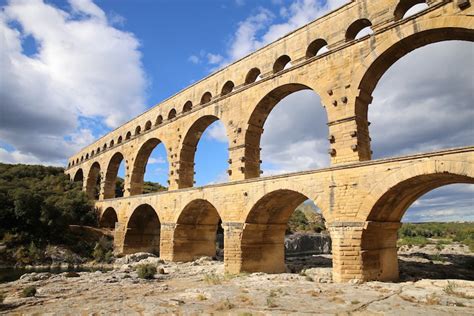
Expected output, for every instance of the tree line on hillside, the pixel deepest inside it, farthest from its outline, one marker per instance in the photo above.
(37, 205)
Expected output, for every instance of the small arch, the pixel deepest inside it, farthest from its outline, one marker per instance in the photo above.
(87, 156)
(140, 164)
(406, 8)
(108, 218)
(128, 136)
(316, 48)
(77, 161)
(92, 153)
(104, 147)
(281, 63)
(172, 114)
(252, 75)
(138, 130)
(111, 174)
(195, 233)
(227, 88)
(119, 140)
(159, 120)
(93, 181)
(79, 176)
(112, 143)
(147, 125)
(82, 158)
(187, 106)
(98, 150)
(68, 164)
(354, 30)
(143, 231)
(189, 148)
(206, 98)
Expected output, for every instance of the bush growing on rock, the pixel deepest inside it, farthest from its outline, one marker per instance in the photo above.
(29, 291)
(146, 271)
(103, 250)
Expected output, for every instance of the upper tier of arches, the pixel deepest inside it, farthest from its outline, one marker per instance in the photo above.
(222, 84)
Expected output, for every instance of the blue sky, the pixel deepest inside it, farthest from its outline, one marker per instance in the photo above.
(74, 70)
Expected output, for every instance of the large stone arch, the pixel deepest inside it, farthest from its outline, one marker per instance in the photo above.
(195, 232)
(188, 149)
(92, 181)
(257, 119)
(140, 163)
(389, 202)
(263, 235)
(395, 45)
(108, 218)
(78, 175)
(111, 174)
(143, 230)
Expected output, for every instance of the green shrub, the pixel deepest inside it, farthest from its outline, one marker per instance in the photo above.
(212, 278)
(413, 241)
(29, 291)
(103, 250)
(146, 271)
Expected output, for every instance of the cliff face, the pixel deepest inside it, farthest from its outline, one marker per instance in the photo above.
(307, 244)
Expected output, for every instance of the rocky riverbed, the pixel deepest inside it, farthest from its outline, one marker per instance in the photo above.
(201, 287)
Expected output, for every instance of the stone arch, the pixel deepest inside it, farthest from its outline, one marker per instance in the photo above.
(187, 106)
(188, 150)
(355, 28)
(104, 147)
(92, 154)
(93, 181)
(128, 135)
(147, 125)
(315, 47)
(119, 140)
(98, 150)
(263, 234)
(399, 191)
(143, 231)
(403, 6)
(108, 218)
(111, 175)
(252, 75)
(159, 120)
(281, 63)
(138, 130)
(256, 121)
(379, 61)
(227, 88)
(172, 114)
(78, 176)
(206, 98)
(82, 158)
(112, 143)
(87, 156)
(139, 165)
(195, 232)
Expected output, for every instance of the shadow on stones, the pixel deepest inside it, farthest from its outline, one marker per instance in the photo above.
(418, 266)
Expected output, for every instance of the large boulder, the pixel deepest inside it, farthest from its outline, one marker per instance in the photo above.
(307, 244)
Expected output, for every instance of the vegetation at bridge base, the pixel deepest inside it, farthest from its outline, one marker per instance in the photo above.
(37, 205)
(443, 233)
(306, 219)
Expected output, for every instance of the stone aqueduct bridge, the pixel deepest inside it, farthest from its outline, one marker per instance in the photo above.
(361, 199)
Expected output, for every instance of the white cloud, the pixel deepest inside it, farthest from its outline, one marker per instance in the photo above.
(156, 160)
(214, 58)
(217, 132)
(194, 59)
(83, 68)
(257, 30)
